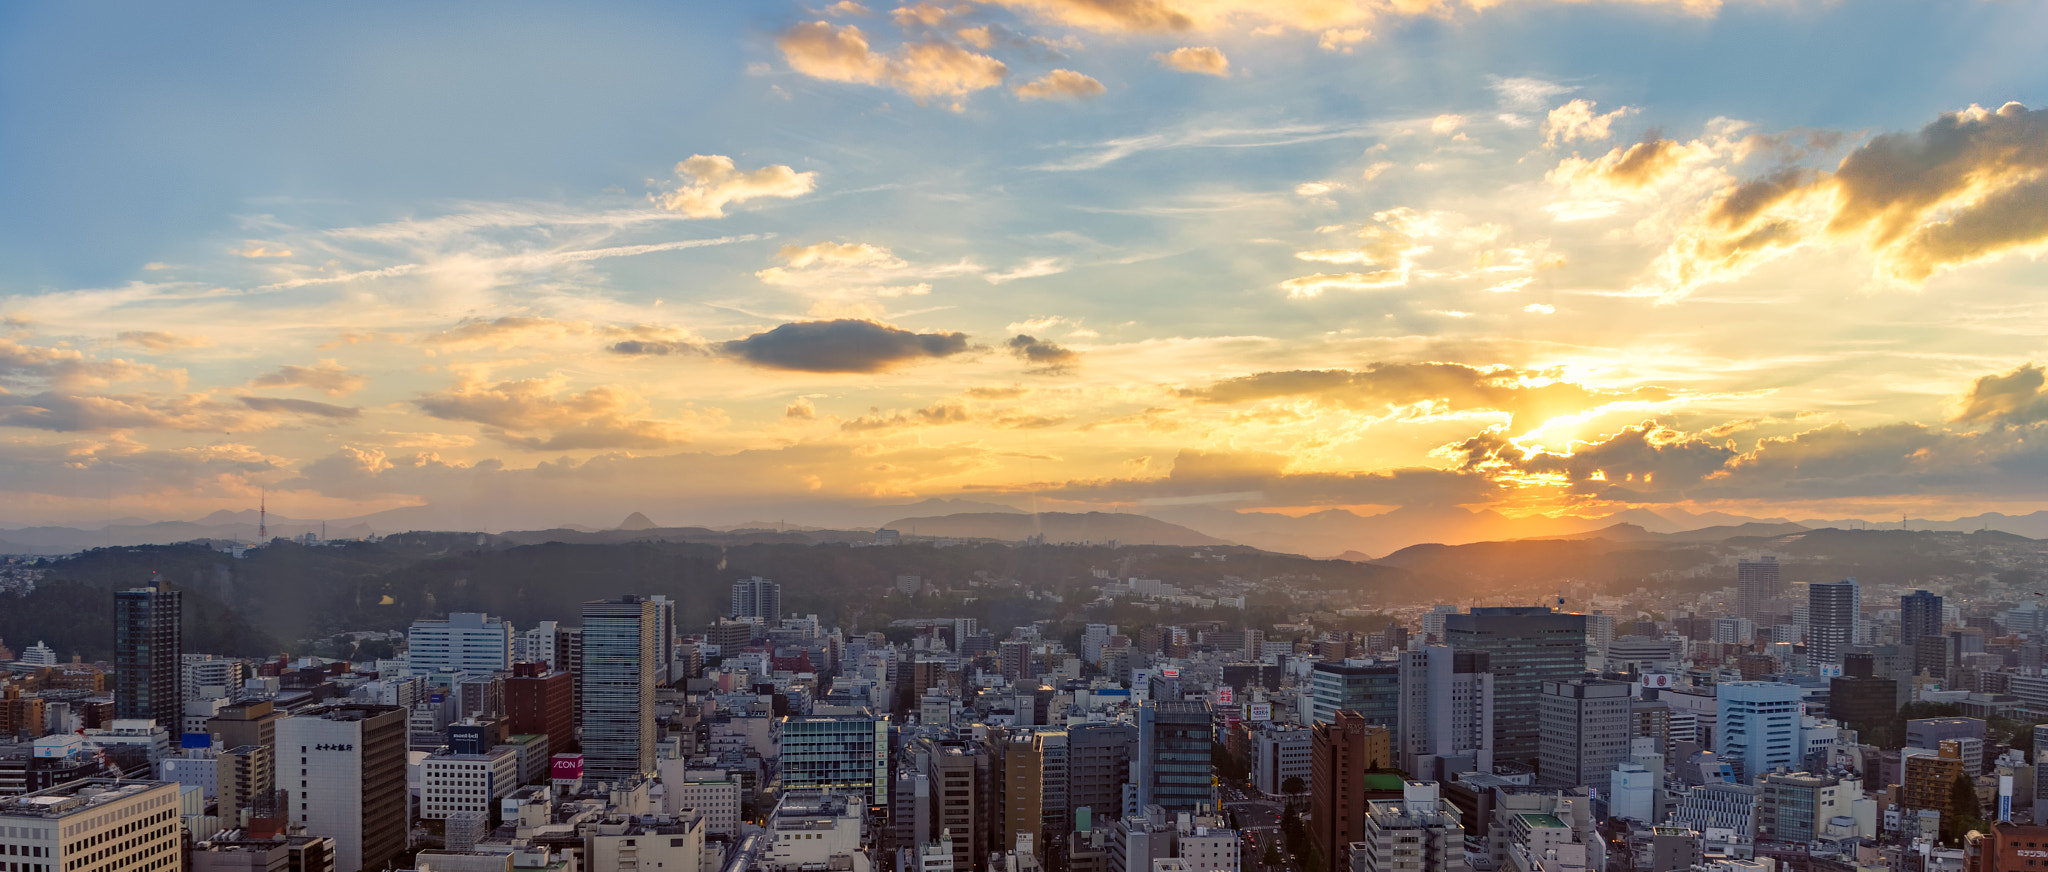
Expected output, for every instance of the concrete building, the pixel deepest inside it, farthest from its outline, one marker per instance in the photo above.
(1452, 730)
(1919, 618)
(644, 843)
(1586, 728)
(1343, 751)
(149, 663)
(1372, 689)
(840, 754)
(467, 642)
(1525, 646)
(456, 784)
(239, 850)
(1416, 833)
(1759, 588)
(1281, 752)
(617, 688)
(93, 825)
(1833, 610)
(1098, 765)
(344, 767)
(756, 598)
(1797, 806)
(1173, 755)
(1757, 727)
(717, 800)
(541, 700)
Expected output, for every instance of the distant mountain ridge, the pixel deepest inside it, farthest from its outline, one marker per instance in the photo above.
(1055, 527)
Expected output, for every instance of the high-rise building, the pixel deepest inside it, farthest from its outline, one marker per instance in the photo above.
(1832, 610)
(1372, 689)
(1525, 646)
(1586, 730)
(1342, 752)
(96, 824)
(1173, 755)
(1758, 589)
(1757, 727)
(1020, 767)
(1451, 729)
(1416, 833)
(543, 701)
(148, 655)
(1098, 765)
(618, 688)
(344, 767)
(838, 754)
(1919, 618)
(756, 597)
(470, 642)
(1283, 753)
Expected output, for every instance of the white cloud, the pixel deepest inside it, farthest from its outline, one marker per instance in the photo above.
(716, 182)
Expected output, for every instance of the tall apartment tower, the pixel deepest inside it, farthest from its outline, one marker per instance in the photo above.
(1586, 731)
(149, 660)
(470, 642)
(1758, 587)
(618, 688)
(757, 597)
(1525, 646)
(1173, 755)
(1342, 752)
(1919, 618)
(1832, 610)
(344, 768)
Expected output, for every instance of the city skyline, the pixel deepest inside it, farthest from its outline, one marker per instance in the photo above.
(543, 266)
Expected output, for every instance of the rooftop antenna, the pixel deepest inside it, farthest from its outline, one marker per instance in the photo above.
(263, 516)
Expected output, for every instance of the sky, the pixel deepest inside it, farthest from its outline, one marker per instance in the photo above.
(554, 263)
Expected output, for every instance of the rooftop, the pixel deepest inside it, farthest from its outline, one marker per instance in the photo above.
(73, 797)
(1541, 820)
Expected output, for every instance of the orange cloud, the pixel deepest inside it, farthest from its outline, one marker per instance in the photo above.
(924, 70)
(1060, 85)
(1207, 60)
(716, 182)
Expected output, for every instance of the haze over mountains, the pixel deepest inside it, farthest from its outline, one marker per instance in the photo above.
(1329, 533)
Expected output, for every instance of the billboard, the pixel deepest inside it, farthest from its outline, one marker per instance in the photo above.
(1226, 696)
(1259, 712)
(1656, 680)
(1831, 670)
(1169, 672)
(568, 767)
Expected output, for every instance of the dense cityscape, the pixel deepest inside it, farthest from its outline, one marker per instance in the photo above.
(1760, 725)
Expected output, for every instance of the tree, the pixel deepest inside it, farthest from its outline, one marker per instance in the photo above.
(1292, 785)
(1273, 856)
(1964, 813)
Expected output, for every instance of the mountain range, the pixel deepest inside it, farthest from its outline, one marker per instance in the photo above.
(1328, 533)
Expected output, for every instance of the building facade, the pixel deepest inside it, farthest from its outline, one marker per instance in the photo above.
(618, 685)
(344, 767)
(149, 662)
(1525, 646)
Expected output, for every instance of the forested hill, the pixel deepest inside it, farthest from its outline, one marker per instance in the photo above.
(283, 593)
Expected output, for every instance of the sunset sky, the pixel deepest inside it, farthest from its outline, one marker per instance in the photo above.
(554, 263)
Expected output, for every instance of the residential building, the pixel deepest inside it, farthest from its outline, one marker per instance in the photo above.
(1281, 752)
(1452, 730)
(1343, 752)
(1919, 618)
(149, 663)
(1832, 612)
(541, 700)
(1759, 588)
(756, 598)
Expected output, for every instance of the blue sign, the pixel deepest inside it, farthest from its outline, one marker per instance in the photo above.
(195, 740)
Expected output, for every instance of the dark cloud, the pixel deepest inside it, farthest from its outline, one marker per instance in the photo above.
(654, 347)
(1745, 201)
(1253, 477)
(844, 345)
(301, 407)
(1529, 396)
(1643, 462)
(932, 415)
(1043, 356)
(1646, 162)
(2015, 397)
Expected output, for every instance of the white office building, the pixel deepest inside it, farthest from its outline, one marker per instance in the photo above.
(469, 642)
(453, 784)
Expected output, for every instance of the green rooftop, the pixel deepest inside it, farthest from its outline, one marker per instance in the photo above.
(1534, 821)
(1384, 781)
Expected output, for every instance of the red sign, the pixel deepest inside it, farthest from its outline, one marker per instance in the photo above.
(1223, 696)
(568, 767)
